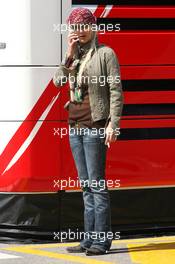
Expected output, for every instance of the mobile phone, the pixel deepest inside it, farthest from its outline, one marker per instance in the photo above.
(78, 42)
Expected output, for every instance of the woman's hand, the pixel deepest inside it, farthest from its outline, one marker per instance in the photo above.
(110, 134)
(72, 40)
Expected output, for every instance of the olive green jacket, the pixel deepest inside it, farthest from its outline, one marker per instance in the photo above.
(106, 100)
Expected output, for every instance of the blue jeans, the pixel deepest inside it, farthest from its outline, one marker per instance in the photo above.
(89, 153)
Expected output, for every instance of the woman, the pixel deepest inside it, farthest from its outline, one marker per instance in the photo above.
(93, 106)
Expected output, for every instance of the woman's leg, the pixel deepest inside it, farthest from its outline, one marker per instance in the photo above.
(76, 144)
(95, 155)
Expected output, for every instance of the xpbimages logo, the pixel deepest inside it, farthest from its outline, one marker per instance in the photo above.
(62, 236)
(100, 184)
(93, 79)
(100, 28)
(63, 131)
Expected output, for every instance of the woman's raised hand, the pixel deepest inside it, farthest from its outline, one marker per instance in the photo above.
(72, 42)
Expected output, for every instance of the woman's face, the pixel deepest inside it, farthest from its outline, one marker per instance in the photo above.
(83, 31)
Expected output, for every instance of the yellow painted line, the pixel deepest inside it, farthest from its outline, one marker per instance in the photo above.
(142, 250)
(50, 245)
(68, 257)
(117, 241)
(145, 240)
(146, 253)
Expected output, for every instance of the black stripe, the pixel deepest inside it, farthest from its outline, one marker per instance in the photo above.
(147, 133)
(124, 2)
(136, 24)
(148, 109)
(149, 85)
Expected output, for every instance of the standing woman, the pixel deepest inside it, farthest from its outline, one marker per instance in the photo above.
(93, 106)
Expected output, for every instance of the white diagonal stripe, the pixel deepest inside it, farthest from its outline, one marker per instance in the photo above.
(106, 11)
(31, 135)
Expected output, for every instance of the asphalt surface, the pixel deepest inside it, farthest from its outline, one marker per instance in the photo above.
(157, 250)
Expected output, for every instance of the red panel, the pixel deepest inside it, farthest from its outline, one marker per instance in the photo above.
(135, 162)
(147, 72)
(148, 117)
(142, 162)
(147, 123)
(149, 97)
(48, 159)
(142, 48)
(140, 12)
(35, 168)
